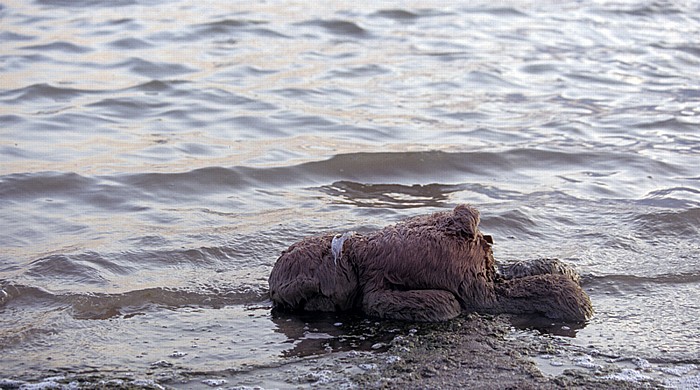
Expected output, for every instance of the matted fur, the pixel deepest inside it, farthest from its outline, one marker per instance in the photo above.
(426, 268)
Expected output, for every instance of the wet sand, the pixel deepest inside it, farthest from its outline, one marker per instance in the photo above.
(479, 352)
(470, 352)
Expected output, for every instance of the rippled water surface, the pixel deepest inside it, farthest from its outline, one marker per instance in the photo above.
(158, 155)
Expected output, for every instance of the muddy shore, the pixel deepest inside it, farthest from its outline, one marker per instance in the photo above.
(476, 352)
(470, 352)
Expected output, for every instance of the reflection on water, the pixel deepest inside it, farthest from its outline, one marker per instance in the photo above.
(158, 156)
(396, 196)
(319, 333)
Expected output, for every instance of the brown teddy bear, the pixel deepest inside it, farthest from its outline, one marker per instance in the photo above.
(426, 268)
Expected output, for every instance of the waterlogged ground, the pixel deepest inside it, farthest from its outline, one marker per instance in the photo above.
(157, 156)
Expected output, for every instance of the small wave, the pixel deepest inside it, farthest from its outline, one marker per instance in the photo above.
(511, 223)
(101, 306)
(8, 120)
(12, 151)
(690, 93)
(154, 70)
(674, 190)
(396, 14)
(157, 86)
(131, 22)
(674, 198)
(541, 68)
(82, 269)
(338, 27)
(311, 94)
(50, 186)
(130, 44)
(87, 3)
(665, 224)
(443, 167)
(132, 107)
(491, 79)
(636, 283)
(673, 124)
(390, 195)
(10, 292)
(33, 185)
(41, 91)
(60, 46)
(128, 191)
(73, 271)
(243, 71)
(230, 27)
(371, 70)
(647, 9)
(104, 306)
(496, 11)
(602, 79)
(8, 36)
(226, 26)
(214, 180)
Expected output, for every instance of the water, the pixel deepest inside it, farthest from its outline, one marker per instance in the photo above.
(158, 155)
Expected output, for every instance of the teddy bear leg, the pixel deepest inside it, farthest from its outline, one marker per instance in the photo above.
(542, 266)
(555, 296)
(412, 305)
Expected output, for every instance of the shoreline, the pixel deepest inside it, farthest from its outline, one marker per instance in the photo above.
(476, 351)
(470, 352)
(473, 351)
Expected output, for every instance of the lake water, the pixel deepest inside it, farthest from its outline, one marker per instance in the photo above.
(157, 156)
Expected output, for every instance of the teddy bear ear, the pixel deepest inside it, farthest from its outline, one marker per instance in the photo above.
(465, 221)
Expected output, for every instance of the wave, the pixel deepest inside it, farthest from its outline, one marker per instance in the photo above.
(248, 254)
(130, 44)
(41, 91)
(632, 280)
(405, 168)
(396, 14)
(232, 27)
(496, 11)
(645, 9)
(224, 25)
(371, 70)
(664, 223)
(154, 70)
(88, 3)
(101, 306)
(158, 86)
(512, 223)
(338, 27)
(59, 46)
(8, 36)
(51, 186)
(396, 196)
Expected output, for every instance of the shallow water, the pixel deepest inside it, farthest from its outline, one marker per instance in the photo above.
(158, 155)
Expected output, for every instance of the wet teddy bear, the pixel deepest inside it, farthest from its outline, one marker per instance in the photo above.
(427, 268)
